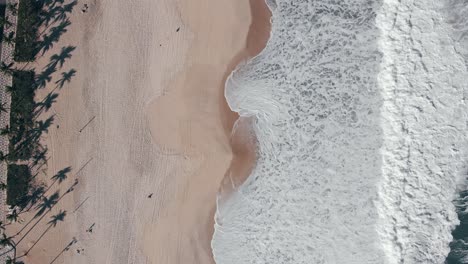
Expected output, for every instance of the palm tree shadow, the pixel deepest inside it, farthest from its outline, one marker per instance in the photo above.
(40, 155)
(46, 103)
(7, 69)
(44, 77)
(47, 203)
(67, 248)
(49, 39)
(55, 219)
(66, 78)
(34, 196)
(44, 208)
(52, 17)
(63, 11)
(53, 22)
(60, 58)
(29, 141)
(59, 177)
(54, 11)
(25, 133)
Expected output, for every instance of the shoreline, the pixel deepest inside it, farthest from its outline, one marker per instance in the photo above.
(176, 146)
(242, 138)
(192, 118)
(243, 141)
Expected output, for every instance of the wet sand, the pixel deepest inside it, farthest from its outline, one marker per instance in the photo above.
(193, 119)
(242, 138)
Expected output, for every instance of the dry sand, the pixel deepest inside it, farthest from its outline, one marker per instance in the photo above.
(150, 78)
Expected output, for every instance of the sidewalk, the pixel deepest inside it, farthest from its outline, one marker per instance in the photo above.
(6, 56)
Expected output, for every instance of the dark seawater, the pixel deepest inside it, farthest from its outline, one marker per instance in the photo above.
(459, 246)
(456, 13)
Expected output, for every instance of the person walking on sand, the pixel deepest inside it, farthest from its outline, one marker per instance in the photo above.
(85, 8)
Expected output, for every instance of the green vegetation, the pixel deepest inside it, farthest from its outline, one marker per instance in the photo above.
(41, 23)
(27, 31)
(19, 181)
(3, 21)
(22, 141)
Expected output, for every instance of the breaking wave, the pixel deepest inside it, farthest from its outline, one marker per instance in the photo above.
(361, 123)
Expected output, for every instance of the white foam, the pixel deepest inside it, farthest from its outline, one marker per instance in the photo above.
(361, 124)
(424, 119)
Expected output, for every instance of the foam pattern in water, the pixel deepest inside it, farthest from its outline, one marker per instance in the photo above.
(361, 128)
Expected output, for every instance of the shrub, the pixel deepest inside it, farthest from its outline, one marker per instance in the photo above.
(18, 183)
(2, 14)
(27, 31)
(22, 142)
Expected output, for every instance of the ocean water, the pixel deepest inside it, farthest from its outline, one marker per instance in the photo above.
(361, 122)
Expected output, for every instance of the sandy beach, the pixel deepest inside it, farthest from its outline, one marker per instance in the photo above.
(144, 127)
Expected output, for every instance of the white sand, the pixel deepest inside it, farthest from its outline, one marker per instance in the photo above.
(161, 126)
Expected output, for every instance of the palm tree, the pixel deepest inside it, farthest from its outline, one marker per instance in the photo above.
(13, 261)
(47, 203)
(8, 241)
(7, 68)
(5, 131)
(5, 240)
(3, 156)
(10, 38)
(3, 187)
(66, 78)
(3, 108)
(13, 217)
(13, 8)
(9, 89)
(4, 22)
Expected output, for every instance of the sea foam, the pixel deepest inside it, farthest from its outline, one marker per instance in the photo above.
(361, 124)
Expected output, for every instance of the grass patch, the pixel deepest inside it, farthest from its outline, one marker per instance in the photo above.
(18, 182)
(27, 31)
(22, 141)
